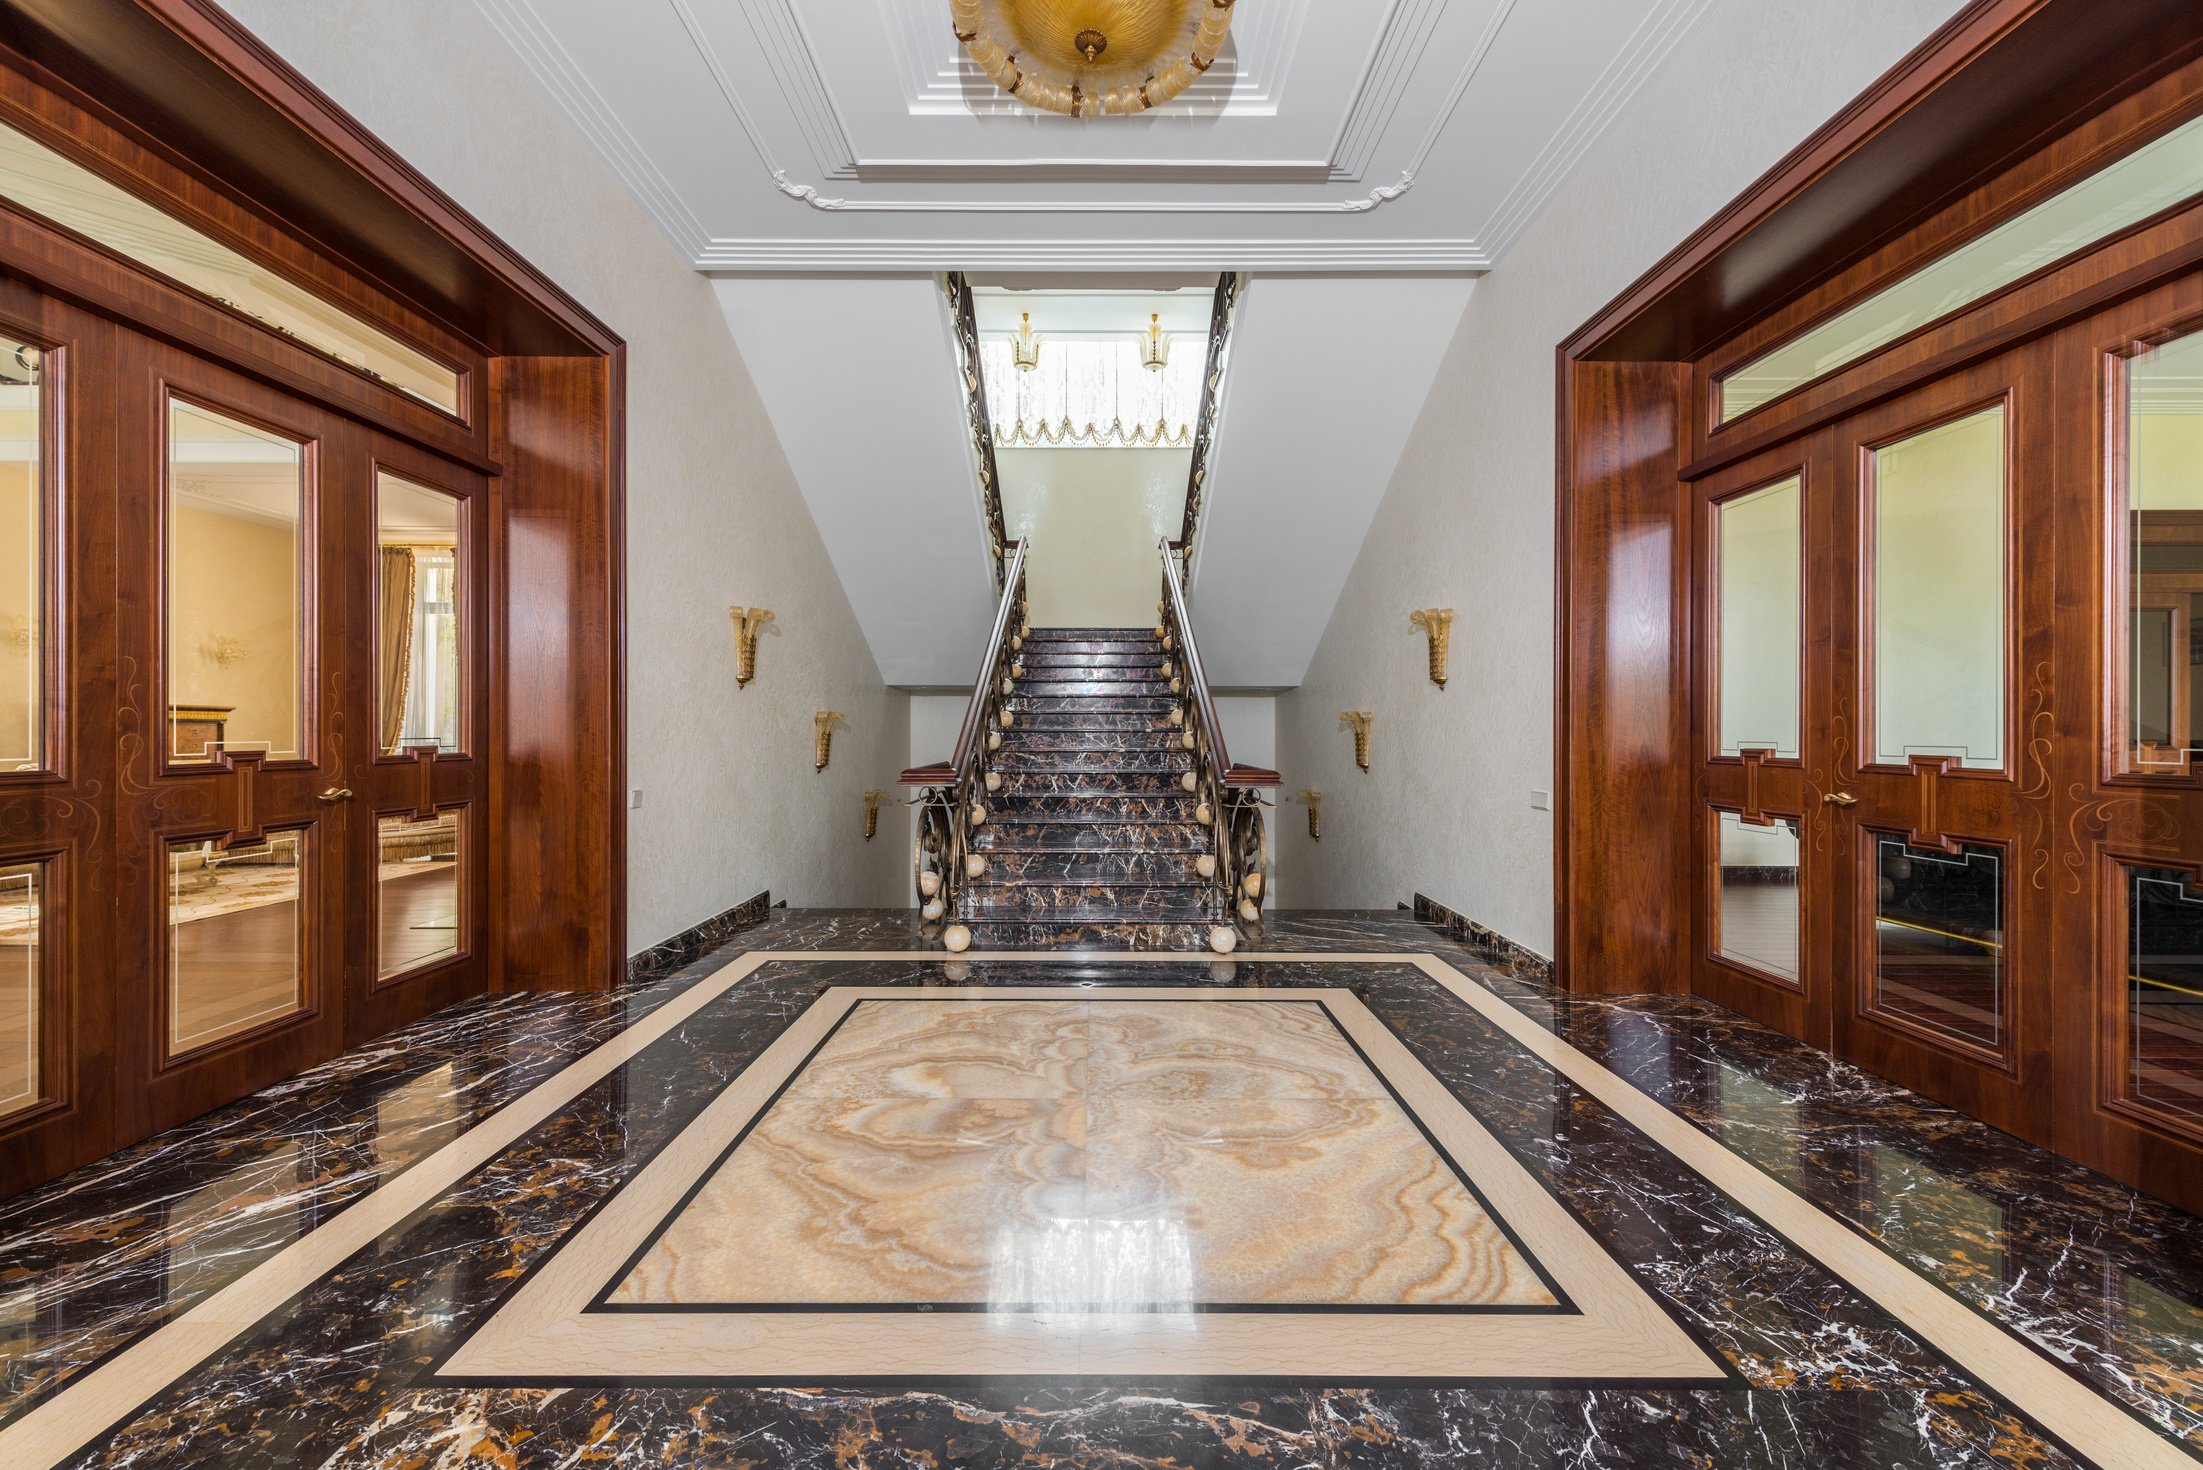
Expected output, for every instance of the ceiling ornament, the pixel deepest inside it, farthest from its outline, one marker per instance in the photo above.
(1084, 56)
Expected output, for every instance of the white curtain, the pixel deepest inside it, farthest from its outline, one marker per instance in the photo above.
(1093, 392)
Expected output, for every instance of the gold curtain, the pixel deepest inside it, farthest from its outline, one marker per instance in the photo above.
(395, 657)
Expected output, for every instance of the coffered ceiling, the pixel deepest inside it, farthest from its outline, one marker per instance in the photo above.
(1377, 135)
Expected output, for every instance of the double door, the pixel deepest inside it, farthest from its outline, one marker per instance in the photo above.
(1949, 668)
(240, 815)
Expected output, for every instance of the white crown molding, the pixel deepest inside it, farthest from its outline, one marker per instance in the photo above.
(1393, 58)
(1662, 29)
(827, 256)
(810, 195)
(520, 27)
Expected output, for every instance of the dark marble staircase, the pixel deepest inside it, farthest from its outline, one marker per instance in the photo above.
(1090, 837)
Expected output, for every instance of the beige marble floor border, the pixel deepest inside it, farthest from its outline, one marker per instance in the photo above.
(1618, 1331)
(2090, 1424)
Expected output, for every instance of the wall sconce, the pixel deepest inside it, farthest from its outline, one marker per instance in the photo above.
(748, 623)
(1359, 719)
(1438, 623)
(872, 800)
(1315, 814)
(822, 724)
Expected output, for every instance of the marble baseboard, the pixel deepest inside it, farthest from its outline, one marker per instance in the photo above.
(693, 943)
(1494, 948)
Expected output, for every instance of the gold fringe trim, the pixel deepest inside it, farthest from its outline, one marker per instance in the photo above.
(1022, 435)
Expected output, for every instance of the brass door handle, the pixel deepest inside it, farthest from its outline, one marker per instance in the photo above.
(337, 794)
(1840, 798)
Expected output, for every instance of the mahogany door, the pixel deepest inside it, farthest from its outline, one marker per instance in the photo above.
(265, 830)
(1935, 893)
(1763, 720)
(58, 1059)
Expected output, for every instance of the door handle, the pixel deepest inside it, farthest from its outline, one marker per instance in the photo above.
(336, 794)
(1840, 798)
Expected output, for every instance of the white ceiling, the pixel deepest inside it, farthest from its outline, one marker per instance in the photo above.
(1376, 135)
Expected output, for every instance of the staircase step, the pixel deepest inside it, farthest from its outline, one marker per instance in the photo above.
(1025, 741)
(1116, 867)
(1018, 785)
(1067, 672)
(1122, 704)
(1056, 655)
(1044, 726)
(1087, 903)
(1090, 635)
(1032, 688)
(1168, 762)
(998, 934)
(1091, 834)
(1171, 806)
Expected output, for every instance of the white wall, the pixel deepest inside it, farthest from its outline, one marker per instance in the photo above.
(730, 802)
(1093, 516)
(1467, 521)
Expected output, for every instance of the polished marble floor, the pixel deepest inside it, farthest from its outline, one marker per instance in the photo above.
(415, 1256)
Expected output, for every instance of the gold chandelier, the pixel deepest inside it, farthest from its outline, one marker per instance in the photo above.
(1082, 56)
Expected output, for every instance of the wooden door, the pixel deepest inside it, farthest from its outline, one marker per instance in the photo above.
(2128, 875)
(58, 1011)
(1763, 721)
(1936, 896)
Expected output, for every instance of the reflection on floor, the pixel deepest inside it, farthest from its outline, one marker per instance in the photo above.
(503, 1131)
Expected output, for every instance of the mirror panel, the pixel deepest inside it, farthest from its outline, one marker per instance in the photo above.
(236, 937)
(237, 667)
(1938, 593)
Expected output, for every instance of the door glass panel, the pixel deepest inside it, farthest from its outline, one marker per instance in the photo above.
(1938, 957)
(1761, 608)
(1938, 575)
(419, 672)
(2156, 175)
(21, 893)
(2158, 687)
(71, 195)
(236, 937)
(236, 615)
(1758, 895)
(22, 566)
(2164, 992)
(417, 892)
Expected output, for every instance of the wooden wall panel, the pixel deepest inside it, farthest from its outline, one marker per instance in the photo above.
(1623, 862)
(557, 818)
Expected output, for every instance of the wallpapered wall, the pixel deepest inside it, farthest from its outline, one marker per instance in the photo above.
(730, 803)
(1467, 521)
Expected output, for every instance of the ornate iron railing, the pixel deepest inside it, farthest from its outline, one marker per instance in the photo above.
(1230, 795)
(952, 798)
(1204, 424)
(977, 422)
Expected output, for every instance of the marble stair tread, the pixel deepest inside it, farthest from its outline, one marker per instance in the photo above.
(1090, 659)
(1049, 742)
(1025, 704)
(997, 934)
(1090, 783)
(1091, 834)
(1069, 724)
(1050, 635)
(1112, 867)
(1167, 761)
(1041, 903)
(1032, 688)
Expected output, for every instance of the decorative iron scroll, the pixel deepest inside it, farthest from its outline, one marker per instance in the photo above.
(1204, 424)
(976, 421)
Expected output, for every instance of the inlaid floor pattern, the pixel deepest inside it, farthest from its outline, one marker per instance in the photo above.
(1092, 839)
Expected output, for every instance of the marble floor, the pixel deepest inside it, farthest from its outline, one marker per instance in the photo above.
(1352, 1198)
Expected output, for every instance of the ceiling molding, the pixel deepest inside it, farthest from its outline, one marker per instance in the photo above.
(539, 50)
(1663, 28)
(809, 194)
(828, 256)
(1393, 58)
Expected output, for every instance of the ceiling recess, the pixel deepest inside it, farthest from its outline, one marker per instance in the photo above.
(1086, 56)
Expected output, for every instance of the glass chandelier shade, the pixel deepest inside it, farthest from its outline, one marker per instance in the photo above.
(1085, 56)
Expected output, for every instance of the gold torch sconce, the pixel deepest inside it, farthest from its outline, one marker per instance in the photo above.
(1359, 719)
(748, 623)
(872, 800)
(822, 725)
(1438, 623)
(1315, 814)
